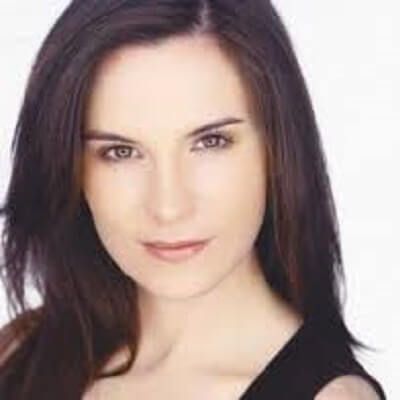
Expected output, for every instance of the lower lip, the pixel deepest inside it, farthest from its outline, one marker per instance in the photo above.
(176, 255)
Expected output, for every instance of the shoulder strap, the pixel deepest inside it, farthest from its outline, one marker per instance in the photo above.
(308, 364)
(324, 360)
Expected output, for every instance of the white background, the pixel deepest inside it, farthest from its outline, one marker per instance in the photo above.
(350, 55)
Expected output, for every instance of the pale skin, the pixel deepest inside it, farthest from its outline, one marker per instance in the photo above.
(201, 316)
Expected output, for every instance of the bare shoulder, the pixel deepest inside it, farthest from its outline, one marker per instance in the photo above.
(348, 387)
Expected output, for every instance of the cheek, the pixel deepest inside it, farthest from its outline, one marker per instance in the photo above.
(234, 202)
(235, 186)
(113, 196)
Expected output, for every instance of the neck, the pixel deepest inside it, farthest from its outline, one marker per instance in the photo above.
(208, 327)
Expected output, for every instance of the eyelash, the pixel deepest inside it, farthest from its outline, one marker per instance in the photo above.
(104, 152)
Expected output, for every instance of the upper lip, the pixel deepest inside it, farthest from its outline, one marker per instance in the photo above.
(182, 243)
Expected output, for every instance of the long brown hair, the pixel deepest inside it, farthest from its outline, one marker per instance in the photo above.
(89, 308)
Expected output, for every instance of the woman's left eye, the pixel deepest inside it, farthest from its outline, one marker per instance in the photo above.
(214, 140)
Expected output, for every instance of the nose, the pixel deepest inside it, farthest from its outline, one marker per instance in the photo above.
(169, 199)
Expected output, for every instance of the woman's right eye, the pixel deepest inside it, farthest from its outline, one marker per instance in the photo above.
(115, 153)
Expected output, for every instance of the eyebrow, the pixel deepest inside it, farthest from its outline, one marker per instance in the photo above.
(96, 134)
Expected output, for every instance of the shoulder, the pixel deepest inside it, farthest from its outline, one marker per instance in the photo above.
(348, 387)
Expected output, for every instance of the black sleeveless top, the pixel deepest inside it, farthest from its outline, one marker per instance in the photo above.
(305, 364)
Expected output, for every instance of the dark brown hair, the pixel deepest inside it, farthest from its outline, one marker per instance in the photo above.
(89, 306)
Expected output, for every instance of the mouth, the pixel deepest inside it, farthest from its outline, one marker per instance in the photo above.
(177, 251)
(174, 245)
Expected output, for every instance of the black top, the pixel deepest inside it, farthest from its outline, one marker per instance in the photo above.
(306, 363)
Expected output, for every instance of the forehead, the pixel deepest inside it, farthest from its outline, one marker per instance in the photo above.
(176, 84)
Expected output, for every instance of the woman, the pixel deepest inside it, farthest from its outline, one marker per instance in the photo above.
(150, 123)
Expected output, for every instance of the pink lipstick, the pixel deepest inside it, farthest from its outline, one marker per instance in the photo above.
(175, 252)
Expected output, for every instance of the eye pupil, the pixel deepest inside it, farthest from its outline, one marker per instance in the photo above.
(210, 139)
(122, 152)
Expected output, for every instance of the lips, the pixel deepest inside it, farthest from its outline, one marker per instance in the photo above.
(174, 245)
(175, 252)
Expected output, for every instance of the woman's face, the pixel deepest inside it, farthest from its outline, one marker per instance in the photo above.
(159, 182)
